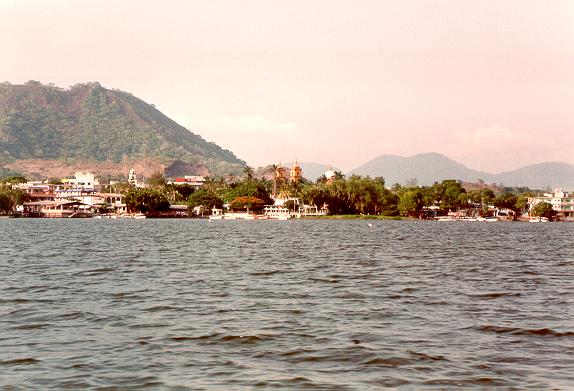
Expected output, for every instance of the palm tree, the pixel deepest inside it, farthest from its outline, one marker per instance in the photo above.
(248, 171)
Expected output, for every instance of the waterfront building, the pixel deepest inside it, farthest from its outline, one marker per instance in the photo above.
(114, 201)
(93, 198)
(38, 190)
(562, 202)
(76, 194)
(52, 209)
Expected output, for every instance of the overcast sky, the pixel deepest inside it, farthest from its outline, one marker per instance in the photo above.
(487, 83)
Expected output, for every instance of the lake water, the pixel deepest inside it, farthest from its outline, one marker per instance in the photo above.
(330, 305)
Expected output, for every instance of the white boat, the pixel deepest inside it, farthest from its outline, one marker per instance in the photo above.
(217, 214)
(137, 216)
(270, 213)
(488, 219)
(445, 218)
(275, 212)
(538, 220)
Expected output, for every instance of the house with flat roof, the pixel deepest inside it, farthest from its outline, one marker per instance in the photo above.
(82, 180)
(53, 209)
(192, 180)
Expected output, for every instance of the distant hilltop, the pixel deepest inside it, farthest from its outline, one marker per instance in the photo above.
(427, 168)
(48, 129)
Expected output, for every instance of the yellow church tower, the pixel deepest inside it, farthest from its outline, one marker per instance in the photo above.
(296, 173)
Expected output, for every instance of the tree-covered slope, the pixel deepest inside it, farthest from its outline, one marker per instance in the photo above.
(89, 122)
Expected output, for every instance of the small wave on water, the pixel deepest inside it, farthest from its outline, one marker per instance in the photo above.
(325, 280)
(408, 358)
(468, 382)
(267, 272)
(388, 361)
(427, 357)
(522, 331)
(296, 382)
(494, 295)
(23, 301)
(157, 308)
(218, 338)
(20, 361)
(244, 338)
(35, 326)
(92, 272)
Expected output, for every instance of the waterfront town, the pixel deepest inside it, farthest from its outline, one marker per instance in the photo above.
(277, 193)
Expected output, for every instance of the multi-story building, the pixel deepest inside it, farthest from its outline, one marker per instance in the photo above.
(562, 202)
(82, 180)
(38, 190)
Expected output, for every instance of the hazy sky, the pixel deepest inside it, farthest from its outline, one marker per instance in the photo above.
(487, 83)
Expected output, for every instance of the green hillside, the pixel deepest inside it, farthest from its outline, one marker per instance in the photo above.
(90, 123)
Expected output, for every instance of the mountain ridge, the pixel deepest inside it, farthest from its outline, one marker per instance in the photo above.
(431, 167)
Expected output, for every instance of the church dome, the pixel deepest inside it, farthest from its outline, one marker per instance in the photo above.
(330, 174)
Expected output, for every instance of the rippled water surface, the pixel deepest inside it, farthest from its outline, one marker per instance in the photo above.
(189, 304)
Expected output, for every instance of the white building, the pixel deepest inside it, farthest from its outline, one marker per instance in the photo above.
(562, 202)
(92, 198)
(330, 174)
(192, 180)
(37, 187)
(82, 180)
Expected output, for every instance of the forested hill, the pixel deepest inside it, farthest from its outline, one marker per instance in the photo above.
(91, 123)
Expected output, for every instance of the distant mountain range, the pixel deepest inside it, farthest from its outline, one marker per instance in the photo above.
(89, 123)
(427, 168)
(49, 131)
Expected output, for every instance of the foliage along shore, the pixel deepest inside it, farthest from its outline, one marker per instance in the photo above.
(355, 197)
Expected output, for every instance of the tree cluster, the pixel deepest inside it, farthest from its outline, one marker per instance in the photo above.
(146, 200)
(247, 193)
(353, 195)
(11, 197)
(543, 209)
(450, 195)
